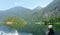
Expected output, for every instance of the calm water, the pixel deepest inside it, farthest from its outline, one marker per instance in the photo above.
(4, 30)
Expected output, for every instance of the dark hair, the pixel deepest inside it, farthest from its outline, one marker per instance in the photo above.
(50, 29)
(51, 32)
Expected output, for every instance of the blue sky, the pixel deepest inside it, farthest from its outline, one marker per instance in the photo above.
(7, 4)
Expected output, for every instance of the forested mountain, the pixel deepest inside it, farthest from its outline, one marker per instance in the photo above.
(16, 12)
(53, 9)
(38, 8)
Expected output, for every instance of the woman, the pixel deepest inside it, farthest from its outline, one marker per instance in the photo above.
(50, 30)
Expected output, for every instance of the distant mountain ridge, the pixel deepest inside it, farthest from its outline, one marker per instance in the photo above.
(53, 9)
(38, 8)
(16, 12)
(35, 14)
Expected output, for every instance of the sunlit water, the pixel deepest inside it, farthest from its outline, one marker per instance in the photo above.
(4, 33)
(8, 31)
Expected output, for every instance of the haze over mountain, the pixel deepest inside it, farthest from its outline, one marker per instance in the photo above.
(38, 8)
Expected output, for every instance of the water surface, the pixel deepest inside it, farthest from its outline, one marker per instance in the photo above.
(4, 30)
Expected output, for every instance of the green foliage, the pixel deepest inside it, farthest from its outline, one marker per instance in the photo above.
(14, 22)
(53, 20)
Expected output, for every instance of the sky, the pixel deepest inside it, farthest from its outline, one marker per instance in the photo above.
(31, 4)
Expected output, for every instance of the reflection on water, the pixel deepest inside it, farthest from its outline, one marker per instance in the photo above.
(4, 33)
(25, 34)
(8, 31)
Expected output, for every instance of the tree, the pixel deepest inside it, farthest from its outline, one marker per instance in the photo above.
(14, 22)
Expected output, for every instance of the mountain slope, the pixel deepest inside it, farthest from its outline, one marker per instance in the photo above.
(37, 8)
(16, 11)
(53, 9)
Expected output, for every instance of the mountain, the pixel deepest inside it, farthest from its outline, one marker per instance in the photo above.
(36, 14)
(38, 8)
(16, 12)
(53, 9)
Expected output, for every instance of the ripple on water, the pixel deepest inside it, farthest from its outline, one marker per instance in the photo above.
(8, 31)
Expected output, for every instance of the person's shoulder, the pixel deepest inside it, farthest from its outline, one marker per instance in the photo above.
(47, 32)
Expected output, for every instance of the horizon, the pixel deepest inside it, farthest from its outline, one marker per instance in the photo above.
(30, 4)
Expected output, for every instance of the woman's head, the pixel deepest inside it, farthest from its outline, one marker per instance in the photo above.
(50, 27)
